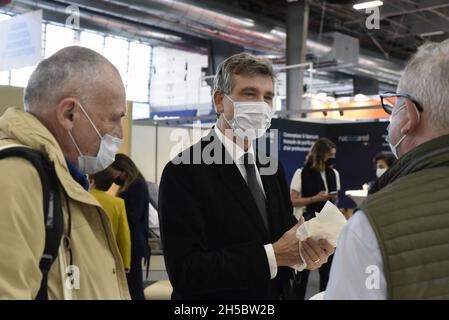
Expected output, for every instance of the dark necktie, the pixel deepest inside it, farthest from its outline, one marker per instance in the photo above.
(255, 188)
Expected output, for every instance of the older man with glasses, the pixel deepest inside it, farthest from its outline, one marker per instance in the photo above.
(397, 245)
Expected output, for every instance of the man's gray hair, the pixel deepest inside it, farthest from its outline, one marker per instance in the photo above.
(71, 71)
(426, 78)
(241, 64)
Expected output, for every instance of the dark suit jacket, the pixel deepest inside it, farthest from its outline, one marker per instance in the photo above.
(212, 234)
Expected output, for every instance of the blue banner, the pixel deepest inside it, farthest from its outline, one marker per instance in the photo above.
(357, 144)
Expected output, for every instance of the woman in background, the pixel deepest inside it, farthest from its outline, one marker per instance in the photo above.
(134, 191)
(382, 162)
(311, 186)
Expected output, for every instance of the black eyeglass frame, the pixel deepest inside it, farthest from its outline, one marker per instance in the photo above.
(389, 109)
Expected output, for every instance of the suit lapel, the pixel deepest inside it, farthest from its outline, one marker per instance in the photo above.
(236, 185)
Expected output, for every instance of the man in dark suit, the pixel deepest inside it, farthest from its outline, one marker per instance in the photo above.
(227, 224)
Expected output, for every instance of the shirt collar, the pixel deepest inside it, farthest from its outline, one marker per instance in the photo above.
(234, 150)
(77, 175)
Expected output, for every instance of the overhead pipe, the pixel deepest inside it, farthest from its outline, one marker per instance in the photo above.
(368, 65)
(115, 26)
(162, 19)
(194, 14)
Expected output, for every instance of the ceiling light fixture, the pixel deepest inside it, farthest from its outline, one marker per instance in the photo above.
(433, 33)
(278, 33)
(367, 4)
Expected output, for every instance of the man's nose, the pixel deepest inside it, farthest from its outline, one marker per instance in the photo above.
(119, 130)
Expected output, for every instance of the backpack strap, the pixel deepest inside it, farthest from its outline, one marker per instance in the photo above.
(52, 208)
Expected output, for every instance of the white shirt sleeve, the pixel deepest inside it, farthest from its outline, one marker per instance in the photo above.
(296, 181)
(295, 185)
(337, 180)
(271, 260)
(357, 268)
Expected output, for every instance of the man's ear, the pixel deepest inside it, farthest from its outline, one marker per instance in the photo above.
(412, 118)
(218, 101)
(66, 113)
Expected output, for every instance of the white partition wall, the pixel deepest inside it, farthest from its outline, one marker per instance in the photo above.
(154, 146)
(143, 150)
(171, 141)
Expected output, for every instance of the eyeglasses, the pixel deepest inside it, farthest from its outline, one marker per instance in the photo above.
(390, 101)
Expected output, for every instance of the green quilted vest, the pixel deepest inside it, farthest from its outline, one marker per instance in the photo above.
(410, 217)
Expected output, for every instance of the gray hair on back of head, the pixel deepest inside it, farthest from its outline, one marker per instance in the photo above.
(426, 78)
(241, 64)
(72, 71)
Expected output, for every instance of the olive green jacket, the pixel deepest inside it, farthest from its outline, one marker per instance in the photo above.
(409, 212)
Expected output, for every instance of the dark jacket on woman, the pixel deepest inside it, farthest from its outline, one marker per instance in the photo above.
(137, 201)
(312, 184)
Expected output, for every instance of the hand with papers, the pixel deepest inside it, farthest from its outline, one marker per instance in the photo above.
(318, 237)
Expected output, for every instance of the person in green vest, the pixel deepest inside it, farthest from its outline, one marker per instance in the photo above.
(396, 246)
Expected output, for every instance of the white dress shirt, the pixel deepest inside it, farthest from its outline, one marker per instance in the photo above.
(237, 153)
(357, 268)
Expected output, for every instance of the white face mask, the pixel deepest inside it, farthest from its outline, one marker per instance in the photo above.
(394, 147)
(109, 146)
(380, 172)
(251, 118)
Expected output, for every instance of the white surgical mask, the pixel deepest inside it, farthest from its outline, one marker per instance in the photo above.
(394, 147)
(251, 118)
(380, 172)
(109, 146)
